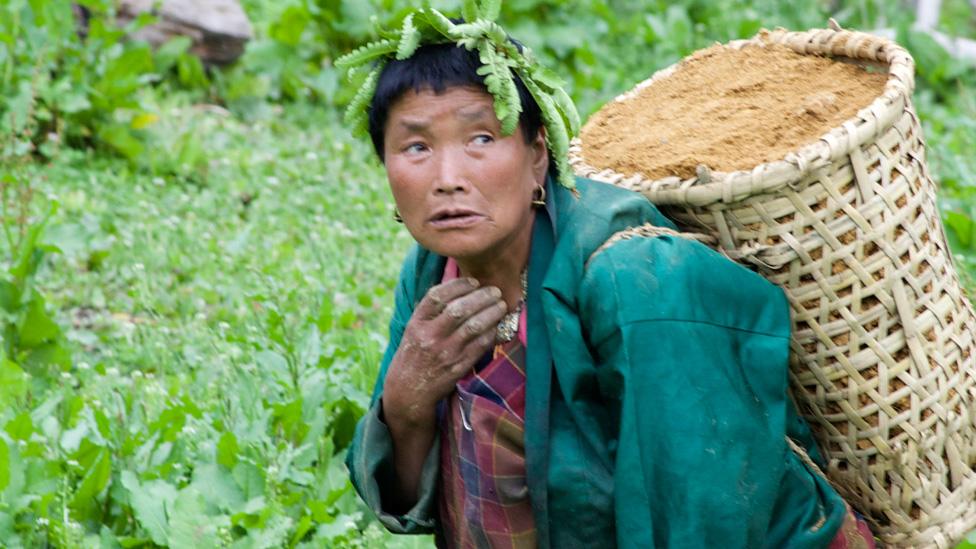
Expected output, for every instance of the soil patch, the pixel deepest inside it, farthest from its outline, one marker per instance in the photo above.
(728, 109)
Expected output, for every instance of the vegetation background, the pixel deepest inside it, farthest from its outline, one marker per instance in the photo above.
(196, 266)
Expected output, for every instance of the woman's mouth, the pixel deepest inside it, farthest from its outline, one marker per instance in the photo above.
(454, 219)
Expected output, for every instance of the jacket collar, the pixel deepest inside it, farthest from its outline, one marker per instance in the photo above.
(539, 365)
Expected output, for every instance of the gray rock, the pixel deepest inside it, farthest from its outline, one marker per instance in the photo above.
(219, 28)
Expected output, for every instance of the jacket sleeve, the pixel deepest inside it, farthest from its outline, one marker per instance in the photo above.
(370, 455)
(693, 351)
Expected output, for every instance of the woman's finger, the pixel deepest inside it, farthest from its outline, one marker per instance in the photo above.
(473, 350)
(458, 311)
(438, 297)
(483, 322)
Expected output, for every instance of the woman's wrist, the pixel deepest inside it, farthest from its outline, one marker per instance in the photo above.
(411, 416)
(412, 439)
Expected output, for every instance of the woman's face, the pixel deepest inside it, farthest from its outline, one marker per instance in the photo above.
(463, 189)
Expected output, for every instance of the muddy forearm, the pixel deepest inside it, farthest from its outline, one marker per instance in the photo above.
(412, 441)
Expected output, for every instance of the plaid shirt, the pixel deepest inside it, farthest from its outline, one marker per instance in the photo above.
(484, 499)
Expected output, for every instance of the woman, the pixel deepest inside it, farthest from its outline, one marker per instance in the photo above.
(543, 387)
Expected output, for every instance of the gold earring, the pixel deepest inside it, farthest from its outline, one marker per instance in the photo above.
(396, 216)
(539, 200)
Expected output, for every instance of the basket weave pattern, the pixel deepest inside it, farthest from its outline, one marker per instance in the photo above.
(882, 361)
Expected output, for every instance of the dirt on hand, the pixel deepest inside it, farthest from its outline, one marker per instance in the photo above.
(729, 109)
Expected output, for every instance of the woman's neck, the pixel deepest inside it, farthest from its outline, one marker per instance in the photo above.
(503, 270)
(507, 278)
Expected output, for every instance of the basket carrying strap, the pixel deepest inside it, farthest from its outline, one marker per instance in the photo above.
(805, 458)
(752, 256)
(648, 230)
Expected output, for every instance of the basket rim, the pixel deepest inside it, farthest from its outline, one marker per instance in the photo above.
(708, 187)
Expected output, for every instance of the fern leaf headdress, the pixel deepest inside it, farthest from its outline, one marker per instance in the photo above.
(499, 57)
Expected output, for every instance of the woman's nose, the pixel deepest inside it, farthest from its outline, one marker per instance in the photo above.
(451, 174)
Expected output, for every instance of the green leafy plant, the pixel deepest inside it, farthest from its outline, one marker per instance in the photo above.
(31, 338)
(82, 83)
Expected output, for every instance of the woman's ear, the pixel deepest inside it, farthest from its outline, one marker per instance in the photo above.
(540, 156)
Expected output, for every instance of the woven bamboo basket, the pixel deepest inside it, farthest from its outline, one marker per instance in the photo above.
(882, 351)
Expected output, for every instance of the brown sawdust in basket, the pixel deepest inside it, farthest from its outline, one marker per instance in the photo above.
(728, 109)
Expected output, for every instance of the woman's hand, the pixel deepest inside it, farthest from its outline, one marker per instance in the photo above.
(451, 328)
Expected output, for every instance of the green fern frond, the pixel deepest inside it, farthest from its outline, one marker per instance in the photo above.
(556, 137)
(469, 10)
(484, 28)
(356, 113)
(469, 44)
(501, 85)
(466, 30)
(565, 105)
(367, 53)
(547, 78)
(491, 9)
(409, 39)
(494, 31)
(440, 23)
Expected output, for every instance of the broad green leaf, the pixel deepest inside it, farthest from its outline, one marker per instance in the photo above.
(310, 348)
(19, 106)
(71, 438)
(189, 523)
(274, 365)
(963, 228)
(191, 72)
(94, 481)
(288, 418)
(4, 464)
(250, 479)
(150, 502)
(37, 326)
(108, 540)
(6, 523)
(9, 297)
(52, 353)
(46, 409)
(14, 480)
(227, 450)
(122, 72)
(20, 427)
(122, 140)
(74, 101)
(304, 525)
(218, 487)
(13, 382)
(273, 535)
(290, 25)
(342, 526)
(167, 54)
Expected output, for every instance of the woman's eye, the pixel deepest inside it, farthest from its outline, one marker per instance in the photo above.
(483, 139)
(414, 148)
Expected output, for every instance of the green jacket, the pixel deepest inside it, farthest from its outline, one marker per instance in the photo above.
(656, 407)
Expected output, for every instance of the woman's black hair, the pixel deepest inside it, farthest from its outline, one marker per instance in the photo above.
(438, 67)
